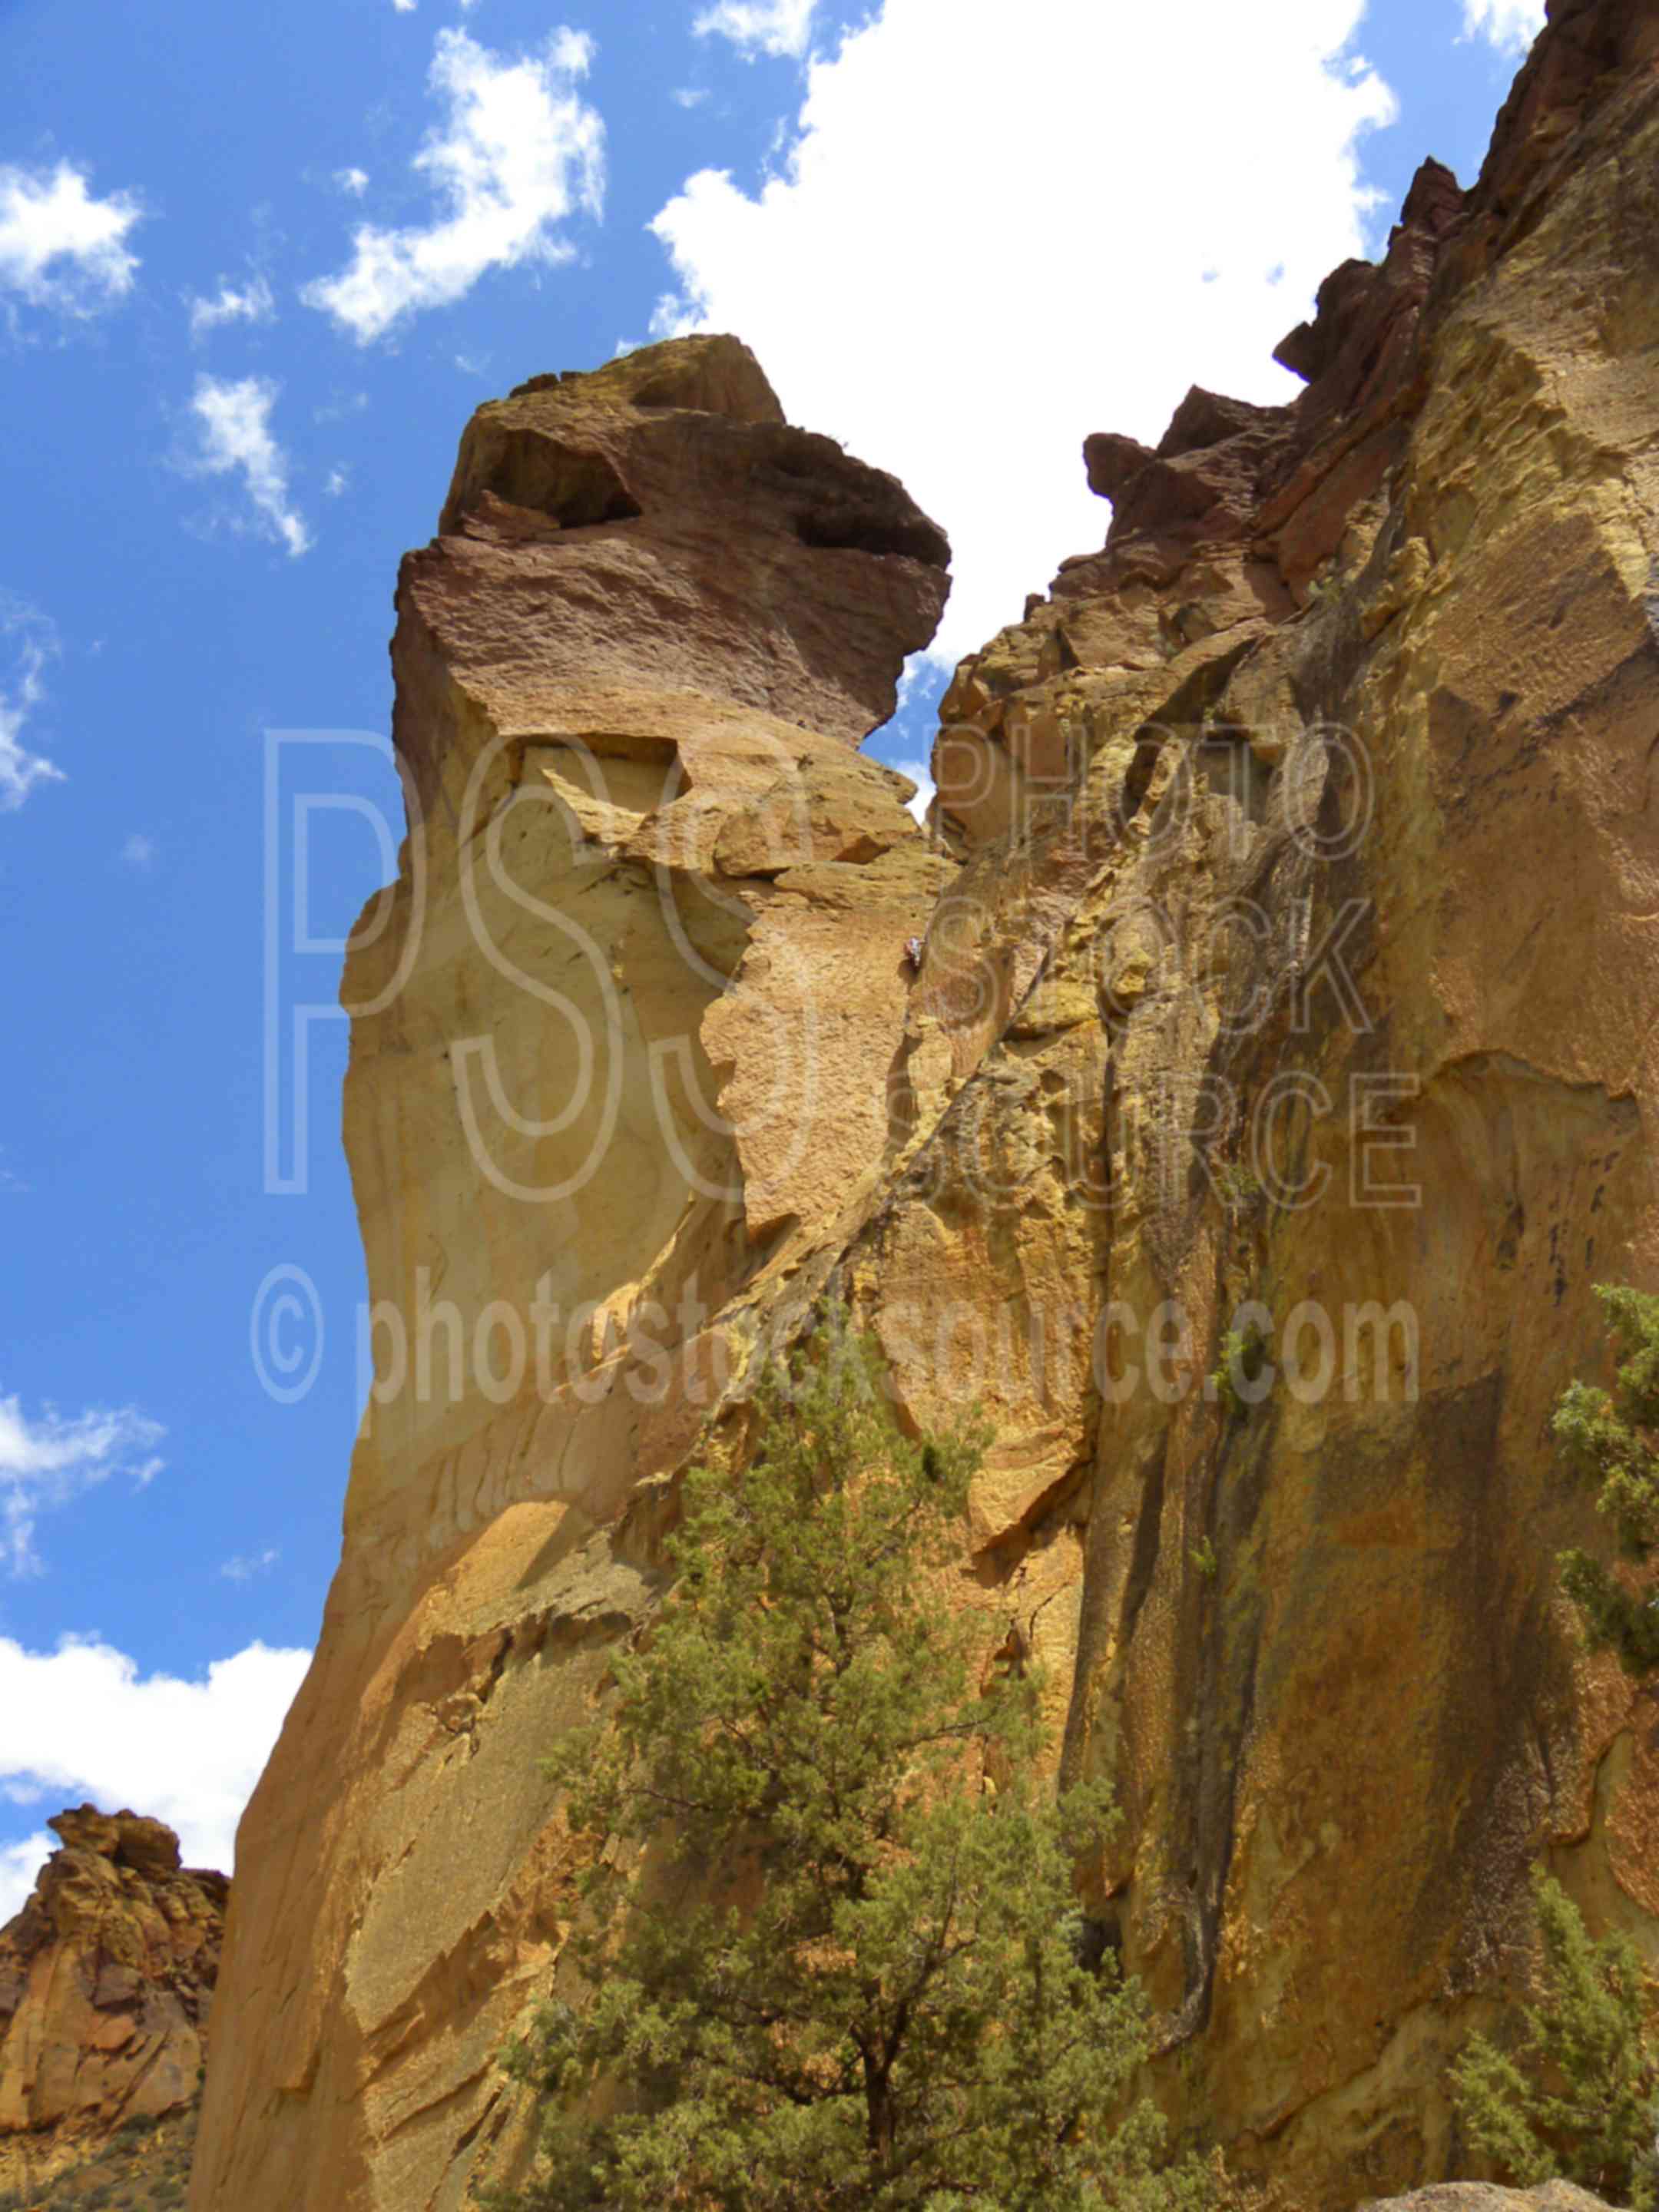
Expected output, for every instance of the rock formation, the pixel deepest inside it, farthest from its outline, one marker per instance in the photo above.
(1285, 968)
(632, 675)
(106, 1978)
(1482, 2196)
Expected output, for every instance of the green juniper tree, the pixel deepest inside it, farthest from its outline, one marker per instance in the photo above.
(1613, 1437)
(1577, 2098)
(1576, 2101)
(828, 1964)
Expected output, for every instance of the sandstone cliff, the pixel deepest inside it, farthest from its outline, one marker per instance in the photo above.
(1285, 962)
(105, 1980)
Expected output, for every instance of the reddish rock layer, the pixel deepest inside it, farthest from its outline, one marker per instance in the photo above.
(106, 1978)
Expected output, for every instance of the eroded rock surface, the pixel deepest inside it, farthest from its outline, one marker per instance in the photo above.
(619, 1064)
(106, 1978)
(1485, 2197)
(1287, 949)
(1309, 866)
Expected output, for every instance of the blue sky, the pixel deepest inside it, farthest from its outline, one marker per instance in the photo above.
(256, 268)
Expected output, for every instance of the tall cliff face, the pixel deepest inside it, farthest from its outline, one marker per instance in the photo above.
(618, 1065)
(1286, 942)
(1334, 910)
(107, 1976)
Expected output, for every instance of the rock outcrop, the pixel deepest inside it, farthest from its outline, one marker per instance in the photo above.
(105, 1980)
(1285, 969)
(1484, 2197)
(619, 1062)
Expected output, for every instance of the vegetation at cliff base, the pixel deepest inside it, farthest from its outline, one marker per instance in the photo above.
(833, 1956)
(1577, 2098)
(1575, 2101)
(1613, 1438)
(144, 2167)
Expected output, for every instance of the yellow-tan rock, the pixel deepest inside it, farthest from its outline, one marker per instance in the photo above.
(620, 1043)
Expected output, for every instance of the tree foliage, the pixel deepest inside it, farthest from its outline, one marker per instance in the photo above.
(1576, 2101)
(832, 1950)
(1613, 1438)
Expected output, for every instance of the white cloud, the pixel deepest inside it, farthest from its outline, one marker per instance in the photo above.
(967, 319)
(27, 643)
(252, 304)
(340, 410)
(518, 152)
(235, 424)
(139, 853)
(19, 1865)
(1511, 25)
(45, 1462)
(760, 27)
(689, 95)
(338, 481)
(243, 1569)
(354, 181)
(81, 1721)
(404, 7)
(60, 247)
(921, 774)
